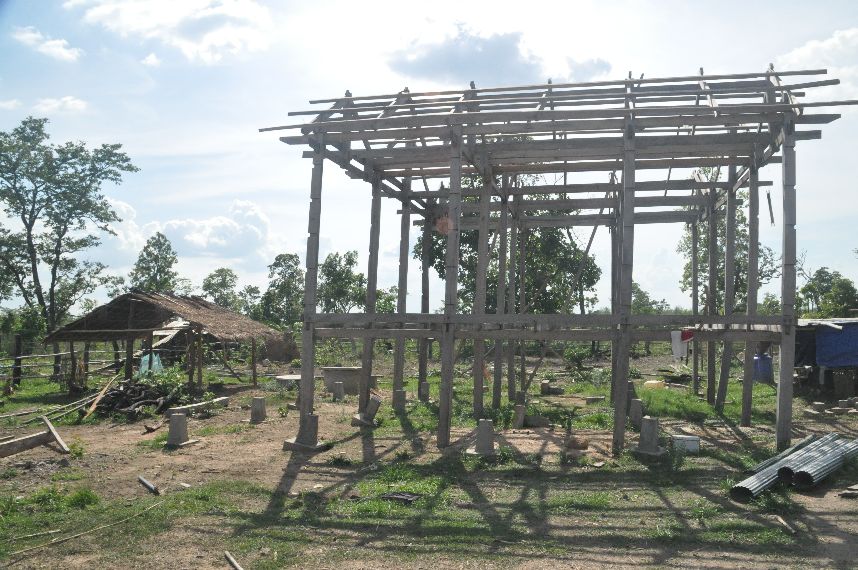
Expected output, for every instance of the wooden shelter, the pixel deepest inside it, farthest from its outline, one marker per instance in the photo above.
(648, 137)
(138, 315)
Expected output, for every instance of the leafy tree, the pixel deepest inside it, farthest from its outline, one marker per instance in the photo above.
(768, 262)
(828, 294)
(249, 302)
(341, 288)
(385, 300)
(770, 305)
(153, 272)
(52, 197)
(282, 302)
(643, 304)
(553, 259)
(219, 286)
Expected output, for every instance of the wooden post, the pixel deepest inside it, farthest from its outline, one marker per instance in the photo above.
(129, 357)
(729, 287)
(308, 340)
(753, 285)
(712, 292)
(787, 358)
(423, 344)
(522, 298)
(200, 356)
(500, 301)
(72, 367)
(695, 306)
(253, 361)
(16, 363)
(191, 355)
(451, 286)
(116, 357)
(510, 299)
(616, 240)
(371, 291)
(86, 347)
(402, 293)
(621, 386)
(479, 307)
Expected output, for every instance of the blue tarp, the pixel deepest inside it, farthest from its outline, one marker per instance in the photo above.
(837, 348)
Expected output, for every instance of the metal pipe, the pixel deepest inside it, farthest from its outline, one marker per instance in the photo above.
(746, 490)
(810, 475)
(786, 452)
(795, 462)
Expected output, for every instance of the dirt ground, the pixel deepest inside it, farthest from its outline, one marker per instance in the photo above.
(114, 457)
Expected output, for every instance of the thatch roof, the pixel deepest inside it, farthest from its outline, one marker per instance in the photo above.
(137, 314)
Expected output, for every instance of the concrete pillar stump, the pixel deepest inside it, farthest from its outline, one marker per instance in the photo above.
(648, 444)
(636, 412)
(307, 439)
(518, 416)
(485, 445)
(367, 417)
(178, 434)
(399, 400)
(257, 410)
(339, 391)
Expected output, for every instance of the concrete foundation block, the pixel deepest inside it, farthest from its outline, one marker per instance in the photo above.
(518, 416)
(648, 444)
(536, 421)
(686, 443)
(635, 412)
(288, 381)
(818, 406)
(178, 434)
(339, 392)
(399, 400)
(307, 439)
(485, 445)
(257, 410)
(593, 399)
(367, 417)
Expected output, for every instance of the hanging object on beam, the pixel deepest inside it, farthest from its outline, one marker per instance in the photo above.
(771, 210)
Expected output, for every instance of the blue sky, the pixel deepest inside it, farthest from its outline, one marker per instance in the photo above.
(184, 86)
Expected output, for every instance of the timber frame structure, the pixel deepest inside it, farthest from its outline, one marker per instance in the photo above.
(656, 133)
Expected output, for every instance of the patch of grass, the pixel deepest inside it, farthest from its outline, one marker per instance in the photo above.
(9, 473)
(682, 405)
(68, 475)
(744, 532)
(156, 442)
(776, 501)
(597, 420)
(76, 449)
(665, 530)
(222, 429)
(580, 501)
(703, 511)
(339, 460)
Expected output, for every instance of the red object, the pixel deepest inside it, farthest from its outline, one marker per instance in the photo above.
(687, 335)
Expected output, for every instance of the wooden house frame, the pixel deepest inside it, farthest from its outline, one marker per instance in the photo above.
(657, 129)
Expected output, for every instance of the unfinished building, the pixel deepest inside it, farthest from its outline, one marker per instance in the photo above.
(647, 138)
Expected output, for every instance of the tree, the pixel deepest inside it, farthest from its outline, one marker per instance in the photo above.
(282, 302)
(52, 197)
(249, 302)
(341, 288)
(643, 304)
(768, 262)
(219, 286)
(553, 260)
(828, 294)
(385, 300)
(770, 305)
(153, 271)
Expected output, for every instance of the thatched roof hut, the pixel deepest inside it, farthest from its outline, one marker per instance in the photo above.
(138, 314)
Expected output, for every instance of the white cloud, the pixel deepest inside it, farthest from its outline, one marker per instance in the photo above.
(62, 104)
(9, 104)
(151, 60)
(203, 30)
(838, 53)
(57, 49)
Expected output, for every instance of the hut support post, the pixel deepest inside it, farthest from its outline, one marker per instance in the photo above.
(200, 351)
(480, 292)
(72, 368)
(402, 293)
(522, 299)
(620, 376)
(16, 363)
(695, 306)
(712, 291)
(371, 292)
(753, 285)
(729, 287)
(787, 359)
(253, 361)
(500, 304)
(510, 300)
(423, 343)
(306, 432)
(451, 285)
(86, 347)
(129, 357)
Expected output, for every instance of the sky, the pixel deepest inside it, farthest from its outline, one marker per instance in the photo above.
(185, 85)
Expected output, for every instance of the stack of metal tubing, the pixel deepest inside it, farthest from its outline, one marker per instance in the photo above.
(803, 465)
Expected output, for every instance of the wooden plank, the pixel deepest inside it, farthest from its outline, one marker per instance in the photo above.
(24, 443)
(55, 435)
(188, 409)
